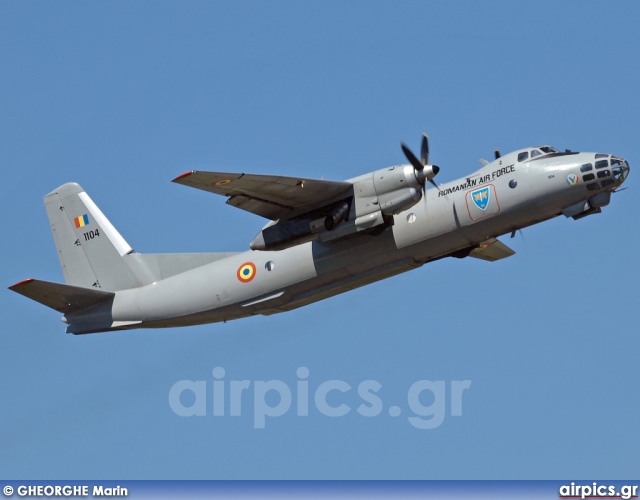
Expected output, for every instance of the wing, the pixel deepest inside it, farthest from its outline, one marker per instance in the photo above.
(492, 250)
(270, 196)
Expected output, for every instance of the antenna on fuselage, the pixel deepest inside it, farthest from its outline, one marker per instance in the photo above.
(513, 233)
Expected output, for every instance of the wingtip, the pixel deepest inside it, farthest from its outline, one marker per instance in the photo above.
(20, 283)
(182, 176)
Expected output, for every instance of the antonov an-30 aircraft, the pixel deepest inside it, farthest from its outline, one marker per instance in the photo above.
(324, 237)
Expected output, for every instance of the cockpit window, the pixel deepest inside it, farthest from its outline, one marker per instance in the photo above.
(586, 167)
(540, 151)
(602, 163)
(601, 155)
(523, 156)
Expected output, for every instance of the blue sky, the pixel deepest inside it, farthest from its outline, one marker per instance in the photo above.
(122, 97)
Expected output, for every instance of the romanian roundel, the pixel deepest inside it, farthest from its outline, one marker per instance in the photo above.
(246, 272)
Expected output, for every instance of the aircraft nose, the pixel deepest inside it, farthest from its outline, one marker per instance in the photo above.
(620, 169)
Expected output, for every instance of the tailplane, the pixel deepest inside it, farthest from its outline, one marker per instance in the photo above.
(63, 298)
(86, 310)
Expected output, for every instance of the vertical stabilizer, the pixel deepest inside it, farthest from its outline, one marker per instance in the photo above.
(90, 249)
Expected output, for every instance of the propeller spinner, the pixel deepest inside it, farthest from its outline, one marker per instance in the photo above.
(423, 171)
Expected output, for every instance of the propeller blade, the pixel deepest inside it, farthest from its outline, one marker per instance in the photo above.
(412, 158)
(424, 150)
(435, 169)
(422, 175)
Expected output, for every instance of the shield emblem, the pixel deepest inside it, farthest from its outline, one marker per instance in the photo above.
(480, 198)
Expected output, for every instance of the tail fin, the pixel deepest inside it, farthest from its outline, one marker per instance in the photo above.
(90, 249)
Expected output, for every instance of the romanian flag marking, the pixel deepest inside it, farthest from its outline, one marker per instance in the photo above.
(246, 272)
(81, 221)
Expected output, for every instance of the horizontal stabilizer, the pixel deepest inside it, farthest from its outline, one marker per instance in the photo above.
(63, 298)
(492, 250)
(100, 326)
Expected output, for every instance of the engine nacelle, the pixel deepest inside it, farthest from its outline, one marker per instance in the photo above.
(397, 189)
(376, 197)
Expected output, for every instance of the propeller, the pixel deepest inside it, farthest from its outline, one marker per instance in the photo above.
(423, 171)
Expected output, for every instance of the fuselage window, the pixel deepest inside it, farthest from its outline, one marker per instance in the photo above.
(588, 177)
(607, 182)
(586, 167)
(594, 186)
(601, 155)
(620, 174)
(616, 162)
(602, 163)
(523, 156)
(603, 173)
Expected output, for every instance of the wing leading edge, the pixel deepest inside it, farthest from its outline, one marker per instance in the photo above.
(270, 196)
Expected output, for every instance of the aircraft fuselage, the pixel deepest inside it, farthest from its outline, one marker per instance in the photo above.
(503, 196)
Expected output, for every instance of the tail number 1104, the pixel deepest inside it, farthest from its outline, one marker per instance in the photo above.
(89, 235)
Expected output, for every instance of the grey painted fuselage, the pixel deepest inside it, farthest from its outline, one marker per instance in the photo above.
(449, 222)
